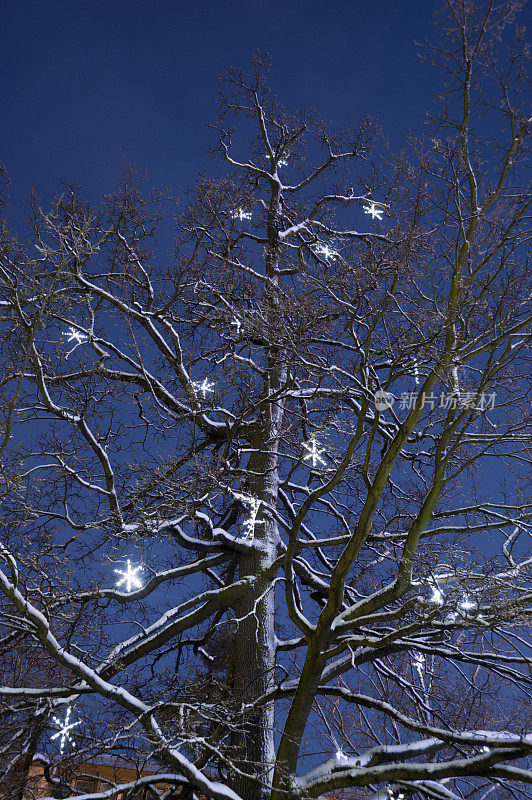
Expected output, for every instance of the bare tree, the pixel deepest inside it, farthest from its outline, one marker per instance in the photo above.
(265, 507)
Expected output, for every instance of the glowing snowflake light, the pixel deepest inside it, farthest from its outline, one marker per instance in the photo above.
(237, 324)
(75, 336)
(373, 209)
(467, 605)
(129, 577)
(205, 387)
(241, 215)
(327, 252)
(65, 726)
(314, 452)
(253, 503)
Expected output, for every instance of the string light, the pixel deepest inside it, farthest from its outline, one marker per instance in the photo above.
(253, 504)
(129, 577)
(65, 726)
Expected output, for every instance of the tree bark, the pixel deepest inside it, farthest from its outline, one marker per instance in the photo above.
(255, 636)
(254, 663)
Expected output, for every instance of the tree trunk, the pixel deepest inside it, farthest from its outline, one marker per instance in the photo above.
(255, 636)
(254, 662)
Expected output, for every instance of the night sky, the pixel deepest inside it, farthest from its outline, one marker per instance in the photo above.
(83, 82)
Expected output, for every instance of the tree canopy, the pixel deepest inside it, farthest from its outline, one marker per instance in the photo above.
(264, 515)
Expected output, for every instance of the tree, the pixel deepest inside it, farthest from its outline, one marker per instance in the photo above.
(298, 451)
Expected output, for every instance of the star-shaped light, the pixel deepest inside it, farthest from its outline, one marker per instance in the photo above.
(205, 387)
(373, 209)
(467, 605)
(327, 252)
(253, 503)
(129, 577)
(241, 215)
(75, 336)
(237, 324)
(314, 452)
(65, 726)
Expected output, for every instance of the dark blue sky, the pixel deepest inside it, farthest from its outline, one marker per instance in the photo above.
(82, 81)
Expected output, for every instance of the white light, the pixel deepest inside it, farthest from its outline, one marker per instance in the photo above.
(241, 215)
(374, 210)
(65, 726)
(282, 162)
(205, 387)
(75, 336)
(237, 324)
(253, 504)
(314, 452)
(129, 577)
(341, 756)
(467, 605)
(416, 372)
(327, 252)
(392, 796)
